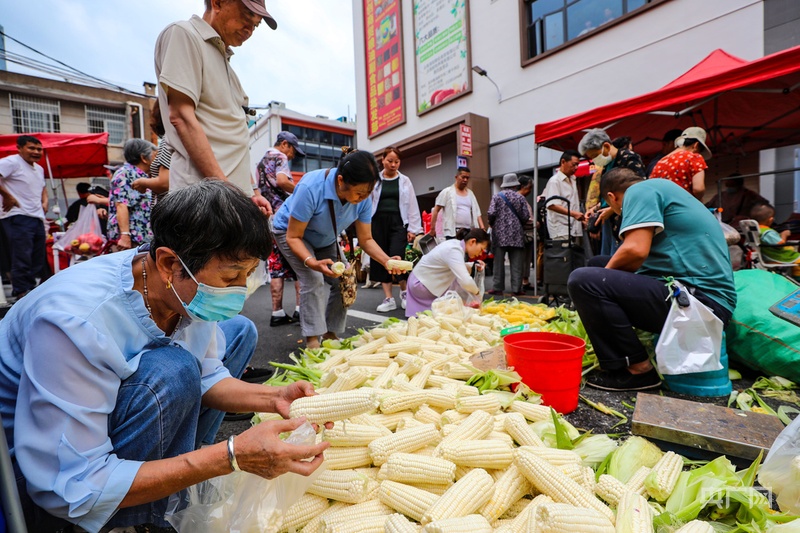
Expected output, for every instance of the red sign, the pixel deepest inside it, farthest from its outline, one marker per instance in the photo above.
(465, 140)
(383, 45)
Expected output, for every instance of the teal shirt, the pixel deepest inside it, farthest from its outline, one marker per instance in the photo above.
(688, 243)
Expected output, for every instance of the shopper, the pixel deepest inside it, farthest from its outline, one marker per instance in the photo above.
(508, 214)
(129, 209)
(457, 207)
(686, 165)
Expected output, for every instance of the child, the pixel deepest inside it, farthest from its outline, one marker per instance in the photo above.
(764, 214)
(443, 267)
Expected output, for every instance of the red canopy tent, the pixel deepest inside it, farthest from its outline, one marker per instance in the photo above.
(67, 155)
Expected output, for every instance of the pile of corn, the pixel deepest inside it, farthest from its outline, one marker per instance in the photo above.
(516, 312)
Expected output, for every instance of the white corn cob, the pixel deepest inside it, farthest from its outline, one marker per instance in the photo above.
(370, 347)
(407, 423)
(428, 334)
(386, 376)
(410, 501)
(407, 346)
(610, 489)
(420, 379)
(369, 420)
(427, 415)
(501, 436)
(441, 399)
(373, 359)
(577, 474)
(432, 488)
(464, 391)
(478, 453)
(451, 416)
(379, 332)
(439, 382)
(554, 456)
(308, 507)
(696, 526)
(636, 482)
(369, 471)
(346, 458)
(394, 336)
(403, 401)
(462, 471)
(411, 366)
(634, 514)
(473, 523)
(399, 264)
(362, 511)
(368, 524)
(427, 451)
(533, 412)
(341, 485)
(520, 522)
(485, 402)
(412, 468)
(468, 495)
(349, 380)
(476, 426)
(352, 435)
(401, 383)
(413, 327)
(517, 507)
(333, 360)
(334, 406)
(558, 517)
(329, 377)
(390, 421)
(397, 523)
(662, 479)
(549, 480)
(316, 525)
(516, 426)
(509, 489)
(406, 441)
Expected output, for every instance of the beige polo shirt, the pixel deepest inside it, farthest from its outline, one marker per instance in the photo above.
(190, 57)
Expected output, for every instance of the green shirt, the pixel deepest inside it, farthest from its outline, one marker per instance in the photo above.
(390, 196)
(688, 243)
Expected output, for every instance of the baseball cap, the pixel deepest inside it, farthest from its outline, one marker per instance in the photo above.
(291, 138)
(258, 7)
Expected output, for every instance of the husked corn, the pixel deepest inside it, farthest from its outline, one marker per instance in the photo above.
(427, 415)
(412, 468)
(341, 485)
(610, 489)
(308, 507)
(661, 480)
(476, 426)
(410, 501)
(351, 435)
(334, 406)
(397, 523)
(406, 441)
(528, 514)
(486, 402)
(374, 359)
(465, 497)
(533, 412)
(390, 421)
(478, 453)
(636, 482)
(509, 488)
(560, 517)
(316, 525)
(516, 426)
(367, 524)
(365, 509)
(554, 456)
(346, 458)
(473, 523)
(634, 514)
(696, 526)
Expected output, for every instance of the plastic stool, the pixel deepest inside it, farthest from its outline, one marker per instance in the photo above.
(714, 383)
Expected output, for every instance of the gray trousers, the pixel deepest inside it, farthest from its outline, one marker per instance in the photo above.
(516, 260)
(321, 308)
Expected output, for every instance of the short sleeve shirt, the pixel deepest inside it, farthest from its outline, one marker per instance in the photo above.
(139, 203)
(25, 183)
(688, 243)
(558, 225)
(273, 163)
(680, 167)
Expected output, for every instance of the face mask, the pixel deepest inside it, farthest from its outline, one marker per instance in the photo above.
(602, 160)
(213, 304)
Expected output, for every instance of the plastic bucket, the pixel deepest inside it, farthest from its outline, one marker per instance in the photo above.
(714, 383)
(550, 364)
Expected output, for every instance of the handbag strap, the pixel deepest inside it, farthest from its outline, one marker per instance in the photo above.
(511, 206)
(333, 222)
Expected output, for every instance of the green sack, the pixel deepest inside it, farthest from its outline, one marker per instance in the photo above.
(757, 338)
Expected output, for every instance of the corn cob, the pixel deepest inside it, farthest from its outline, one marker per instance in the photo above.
(403, 401)
(462, 471)
(549, 480)
(379, 332)
(473, 523)
(329, 377)
(410, 501)
(636, 482)
(516, 426)
(407, 346)
(427, 415)
(432, 488)
(478, 453)
(509, 488)
(468, 495)
(393, 336)
(533, 412)
(662, 479)
(428, 334)
(610, 489)
(411, 366)
(370, 347)
(554, 456)
(333, 360)
(349, 380)
(308, 506)
(368, 524)
(334, 406)
(386, 376)
(578, 474)
(470, 404)
(370, 471)
(401, 383)
(390, 421)
(501, 436)
(438, 381)
(696, 526)
(351, 435)
(399, 264)
(316, 525)
(558, 517)
(346, 458)
(517, 507)
(476, 426)
(407, 422)
(405, 441)
(421, 378)
(373, 359)
(451, 416)
(367, 420)
(367, 509)
(528, 514)
(441, 399)
(634, 514)
(413, 468)
(397, 523)
(341, 485)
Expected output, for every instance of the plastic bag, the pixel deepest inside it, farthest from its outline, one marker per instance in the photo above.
(450, 304)
(241, 502)
(474, 301)
(258, 278)
(780, 472)
(84, 236)
(691, 339)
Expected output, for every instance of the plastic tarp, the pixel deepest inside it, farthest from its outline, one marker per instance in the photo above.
(70, 155)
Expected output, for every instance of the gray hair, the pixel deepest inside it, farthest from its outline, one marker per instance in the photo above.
(135, 149)
(593, 140)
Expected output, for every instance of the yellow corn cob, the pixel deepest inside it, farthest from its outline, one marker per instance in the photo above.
(554, 456)
(610, 489)
(478, 453)
(432, 488)
(533, 412)
(349, 380)
(410, 501)
(371, 359)
(696, 526)
(465, 497)
(370, 347)
(476, 426)
(352, 435)
(346, 458)
(427, 415)
(386, 376)
(412, 468)
(559, 517)
(308, 507)
(367, 509)
(662, 479)
(451, 416)
(405, 441)
(520, 522)
(421, 377)
(517, 507)
(397, 523)
(549, 480)
(634, 514)
(469, 404)
(403, 401)
(509, 489)
(636, 482)
(340, 485)
(334, 406)
(369, 524)
(316, 525)
(516, 426)
(473, 523)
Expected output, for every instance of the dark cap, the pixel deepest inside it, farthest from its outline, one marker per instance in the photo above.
(83, 187)
(258, 7)
(291, 138)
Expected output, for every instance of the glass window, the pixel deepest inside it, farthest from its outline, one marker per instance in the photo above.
(32, 115)
(108, 119)
(554, 30)
(312, 164)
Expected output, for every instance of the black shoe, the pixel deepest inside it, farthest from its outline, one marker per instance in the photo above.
(622, 380)
(296, 316)
(280, 320)
(237, 417)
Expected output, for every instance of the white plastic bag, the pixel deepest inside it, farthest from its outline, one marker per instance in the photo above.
(780, 472)
(449, 304)
(241, 502)
(691, 339)
(84, 236)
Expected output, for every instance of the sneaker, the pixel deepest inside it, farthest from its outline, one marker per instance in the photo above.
(403, 299)
(622, 380)
(388, 305)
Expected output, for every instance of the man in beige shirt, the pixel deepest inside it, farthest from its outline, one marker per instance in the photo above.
(202, 102)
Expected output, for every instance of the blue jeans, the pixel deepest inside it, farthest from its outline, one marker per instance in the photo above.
(158, 416)
(26, 239)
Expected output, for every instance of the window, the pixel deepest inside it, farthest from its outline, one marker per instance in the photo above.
(552, 23)
(322, 148)
(108, 119)
(31, 115)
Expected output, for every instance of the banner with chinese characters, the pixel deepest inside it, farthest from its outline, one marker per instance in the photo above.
(442, 55)
(384, 62)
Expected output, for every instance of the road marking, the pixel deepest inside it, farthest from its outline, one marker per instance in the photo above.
(368, 316)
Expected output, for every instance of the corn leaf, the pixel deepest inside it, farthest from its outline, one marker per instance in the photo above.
(635, 452)
(783, 413)
(563, 442)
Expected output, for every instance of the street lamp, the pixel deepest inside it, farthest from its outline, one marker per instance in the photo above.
(482, 72)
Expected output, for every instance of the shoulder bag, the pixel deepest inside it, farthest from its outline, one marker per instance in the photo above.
(348, 281)
(527, 227)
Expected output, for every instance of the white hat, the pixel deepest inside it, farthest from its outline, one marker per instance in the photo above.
(698, 133)
(510, 180)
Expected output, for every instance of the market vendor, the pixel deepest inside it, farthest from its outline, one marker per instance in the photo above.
(666, 232)
(115, 374)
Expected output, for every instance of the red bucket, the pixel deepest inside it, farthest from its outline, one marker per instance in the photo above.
(550, 364)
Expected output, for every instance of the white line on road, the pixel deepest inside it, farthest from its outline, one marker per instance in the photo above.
(367, 316)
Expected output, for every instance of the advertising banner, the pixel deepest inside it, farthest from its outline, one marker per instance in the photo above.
(384, 62)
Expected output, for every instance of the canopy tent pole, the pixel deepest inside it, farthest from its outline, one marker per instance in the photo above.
(55, 190)
(535, 216)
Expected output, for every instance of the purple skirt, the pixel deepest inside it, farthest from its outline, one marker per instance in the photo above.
(418, 297)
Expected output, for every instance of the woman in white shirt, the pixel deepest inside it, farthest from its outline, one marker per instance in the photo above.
(444, 268)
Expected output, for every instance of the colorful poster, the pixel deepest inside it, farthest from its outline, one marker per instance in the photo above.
(442, 58)
(384, 61)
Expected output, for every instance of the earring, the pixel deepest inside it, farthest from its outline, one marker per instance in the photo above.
(169, 284)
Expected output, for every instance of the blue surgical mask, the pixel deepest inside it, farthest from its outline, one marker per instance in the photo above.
(213, 304)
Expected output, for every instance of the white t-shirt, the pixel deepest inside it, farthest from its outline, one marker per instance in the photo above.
(557, 224)
(25, 183)
(463, 211)
(441, 266)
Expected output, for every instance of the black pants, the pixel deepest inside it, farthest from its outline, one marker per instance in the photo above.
(391, 235)
(613, 302)
(26, 240)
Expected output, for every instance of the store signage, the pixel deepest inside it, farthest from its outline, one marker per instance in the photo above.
(465, 140)
(383, 45)
(461, 162)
